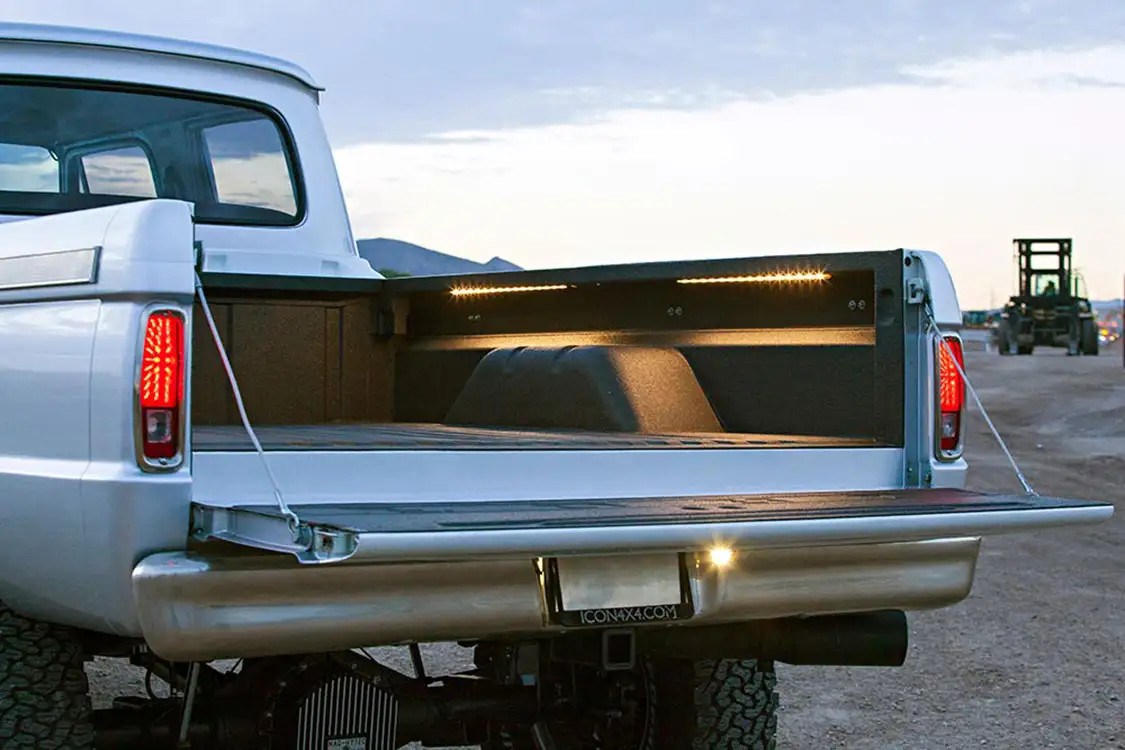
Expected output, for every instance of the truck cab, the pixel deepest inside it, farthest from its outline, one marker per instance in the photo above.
(236, 135)
(630, 490)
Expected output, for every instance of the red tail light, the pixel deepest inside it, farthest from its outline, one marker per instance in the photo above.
(161, 390)
(951, 392)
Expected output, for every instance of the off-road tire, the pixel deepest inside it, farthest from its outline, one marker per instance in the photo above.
(725, 704)
(1089, 338)
(1074, 340)
(44, 695)
(1003, 339)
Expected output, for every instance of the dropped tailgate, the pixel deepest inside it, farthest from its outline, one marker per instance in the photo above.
(401, 531)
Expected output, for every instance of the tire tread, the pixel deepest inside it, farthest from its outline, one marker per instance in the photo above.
(735, 705)
(44, 693)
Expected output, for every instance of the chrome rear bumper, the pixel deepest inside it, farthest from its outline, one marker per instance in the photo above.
(197, 607)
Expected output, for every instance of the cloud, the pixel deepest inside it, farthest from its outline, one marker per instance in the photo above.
(1045, 68)
(399, 69)
(991, 149)
(576, 131)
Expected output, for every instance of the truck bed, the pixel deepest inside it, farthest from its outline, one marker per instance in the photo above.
(425, 436)
(622, 358)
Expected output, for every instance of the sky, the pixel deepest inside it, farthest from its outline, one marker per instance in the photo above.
(578, 132)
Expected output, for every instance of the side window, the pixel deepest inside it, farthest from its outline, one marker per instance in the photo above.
(28, 169)
(120, 171)
(250, 167)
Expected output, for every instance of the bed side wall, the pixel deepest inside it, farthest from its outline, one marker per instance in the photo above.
(296, 363)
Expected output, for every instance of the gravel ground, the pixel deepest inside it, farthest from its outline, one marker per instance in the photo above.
(1034, 658)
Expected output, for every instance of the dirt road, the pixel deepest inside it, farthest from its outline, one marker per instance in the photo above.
(1035, 658)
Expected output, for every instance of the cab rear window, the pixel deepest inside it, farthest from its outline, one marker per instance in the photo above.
(249, 167)
(66, 147)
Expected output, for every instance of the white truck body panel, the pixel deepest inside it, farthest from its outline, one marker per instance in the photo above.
(229, 479)
(942, 293)
(67, 377)
(177, 48)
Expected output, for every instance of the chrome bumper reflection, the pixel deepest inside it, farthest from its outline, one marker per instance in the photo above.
(196, 607)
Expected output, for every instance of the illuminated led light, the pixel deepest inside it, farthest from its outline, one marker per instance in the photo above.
(721, 557)
(161, 388)
(162, 362)
(951, 385)
(765, 278)
(951, 390)
(477, 291)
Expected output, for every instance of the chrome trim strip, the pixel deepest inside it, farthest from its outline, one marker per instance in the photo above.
(198, 607)
(60, 268)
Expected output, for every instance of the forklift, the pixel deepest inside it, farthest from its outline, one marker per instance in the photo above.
(1048, 309)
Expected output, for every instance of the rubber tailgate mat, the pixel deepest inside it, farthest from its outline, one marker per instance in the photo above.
(414, 518)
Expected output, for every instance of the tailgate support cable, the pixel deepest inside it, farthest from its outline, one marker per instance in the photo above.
(976, 399)
(291, 518)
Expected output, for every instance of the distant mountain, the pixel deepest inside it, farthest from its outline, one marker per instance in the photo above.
(396, 257)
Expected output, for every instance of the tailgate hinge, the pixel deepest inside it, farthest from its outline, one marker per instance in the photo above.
(272, 531)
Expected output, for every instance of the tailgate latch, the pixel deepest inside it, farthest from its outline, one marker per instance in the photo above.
(915, 291)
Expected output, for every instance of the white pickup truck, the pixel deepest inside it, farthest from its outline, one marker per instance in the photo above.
(631, 490)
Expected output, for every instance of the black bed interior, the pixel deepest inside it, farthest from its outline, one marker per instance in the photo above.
(603, 367)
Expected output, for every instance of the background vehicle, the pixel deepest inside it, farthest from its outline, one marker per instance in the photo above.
(977, 319)
(630, 489)
(1048, 310)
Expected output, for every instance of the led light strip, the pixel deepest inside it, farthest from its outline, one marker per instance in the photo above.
(768, 278)
(477, 291)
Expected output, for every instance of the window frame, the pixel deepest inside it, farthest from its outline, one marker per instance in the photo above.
(284, 129)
